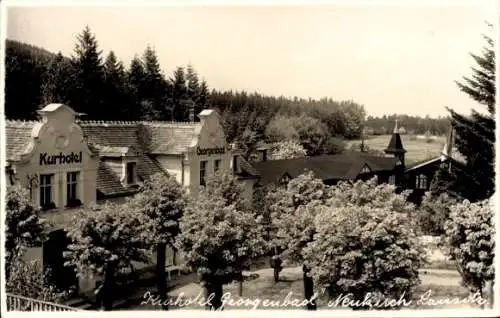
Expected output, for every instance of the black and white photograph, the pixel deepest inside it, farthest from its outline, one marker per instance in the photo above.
(330, 158)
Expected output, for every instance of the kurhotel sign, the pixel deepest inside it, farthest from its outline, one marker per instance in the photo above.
(61, 158)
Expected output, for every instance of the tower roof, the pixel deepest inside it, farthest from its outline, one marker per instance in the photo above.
(395, 144)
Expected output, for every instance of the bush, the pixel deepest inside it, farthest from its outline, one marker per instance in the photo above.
(365, 241)
(359, 250)
(433, 212)
(287, 150)
(27, 279)
(469, 233)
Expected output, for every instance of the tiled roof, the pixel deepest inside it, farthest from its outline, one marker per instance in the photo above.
(170, 138)
(110, 151)
(18, 136)
(108, 182)
(328, 167)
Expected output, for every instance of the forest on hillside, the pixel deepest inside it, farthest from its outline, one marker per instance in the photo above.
(101, 87)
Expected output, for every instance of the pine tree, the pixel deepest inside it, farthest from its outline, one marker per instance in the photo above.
(154, 81)
(203, 98)
(57, 81)
(180, 109)
(136, 84)
(193, 90)
(475, 134)
(88, 92)
(117, 94)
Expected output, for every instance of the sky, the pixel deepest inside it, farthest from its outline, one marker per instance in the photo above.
(390, 58)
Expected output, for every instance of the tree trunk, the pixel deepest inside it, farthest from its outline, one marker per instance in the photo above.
(214, 288)
(276, 264)
(108, 287)
(161, 277)
(240, 283)
(276, 274)
(308, 288)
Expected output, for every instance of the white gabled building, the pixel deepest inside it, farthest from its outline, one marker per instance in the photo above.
(66, 162)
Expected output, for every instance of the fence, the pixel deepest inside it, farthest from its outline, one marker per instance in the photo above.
(20, 303)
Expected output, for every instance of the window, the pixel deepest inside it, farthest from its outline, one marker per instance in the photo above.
(216, 165)
(203, 172)
(46, 191)
(392, 179)
(421, 182)
(131, 172)
(71, 188)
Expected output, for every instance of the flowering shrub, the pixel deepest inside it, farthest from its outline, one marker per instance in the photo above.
(469, 233)
(359, 250)
(105, 240)
(287, 150)
(365, 242)
(220, 235)
(292, 214)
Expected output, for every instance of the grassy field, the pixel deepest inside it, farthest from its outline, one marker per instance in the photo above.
(418, 149)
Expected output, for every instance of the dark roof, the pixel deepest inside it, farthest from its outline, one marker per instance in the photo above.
(395, 144)
(345, 166)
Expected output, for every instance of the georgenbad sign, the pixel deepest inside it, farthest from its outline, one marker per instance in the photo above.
(61, 158)
(210, 151)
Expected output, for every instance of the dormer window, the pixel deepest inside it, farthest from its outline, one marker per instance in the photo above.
(131, 172)
(366, 169)
(285, 180)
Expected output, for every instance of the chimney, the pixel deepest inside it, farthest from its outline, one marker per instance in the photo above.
(191, 114)
(263, 153)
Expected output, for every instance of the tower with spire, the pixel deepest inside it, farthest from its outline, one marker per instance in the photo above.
(447, 152)
(395, 146)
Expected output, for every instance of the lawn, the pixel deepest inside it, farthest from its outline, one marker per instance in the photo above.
(418, 149)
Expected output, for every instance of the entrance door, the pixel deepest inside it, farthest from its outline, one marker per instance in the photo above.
(64, 278)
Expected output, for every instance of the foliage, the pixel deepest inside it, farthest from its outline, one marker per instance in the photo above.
(475, 134)
(87, 91)
(161, 203)
(359, 249)
(218, 235)
(28, 279)
(105, 234)
(287, 150)
(370, 193)
(23, 225)
(412, 124)
(57, 81)
(292, 213)
(306, 130)
(161, 200)
(365, 241)
(433, 212)
(470, 235)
